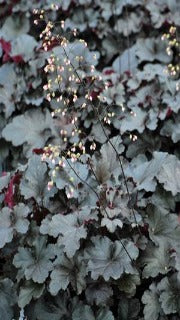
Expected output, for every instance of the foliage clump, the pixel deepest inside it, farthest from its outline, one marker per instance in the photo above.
(89, 160)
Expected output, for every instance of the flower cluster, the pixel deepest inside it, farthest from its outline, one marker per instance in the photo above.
(173, 43)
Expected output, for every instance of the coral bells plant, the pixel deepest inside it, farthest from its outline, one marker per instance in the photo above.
(90, 183)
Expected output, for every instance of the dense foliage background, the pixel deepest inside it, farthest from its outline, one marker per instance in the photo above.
(90, 170)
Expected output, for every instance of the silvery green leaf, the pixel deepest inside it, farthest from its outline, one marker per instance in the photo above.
(152, 308)
(98, 293)
(70, 176)
(4, 152)
(6, 102)
(27, 50)
(152, 120)
(140, 241)
(55, 309)
(23, 7)
(118, 144)
(117, 9)
(28, 291)
(128, 283)
(34, 66)
(169, 175)
(156, 15)
(34, 127)
(134, 121)
(80, 168)
(126, 61)
(98, 133)
(171, 95)
(68, 231)
(145, 173)
(169, 294)
(83, 2)
(156, 260)
(128, 309)
(150, 71)
(67, 271)
(111, 224)
(35, 180)
(106, 163)
(45, 224)
(62, 178)
(173, 5)
(34, 100)
(133, 83)
(64, 4)
(110, 46)
(6, 229)
(172, 129)
(176, 256)
(35, 263)
(4, 181)
(2, 123)
(8, 79)
(151, 49)
(163, 226)
(70, 238)
(162, 198)
(104, 314)
(129, 24)
(109, 259)
(7, 76)
(20, 223)
(119, 95)
(145, 96)
(117, 206)
(114, 94)
(82, 312)
(14, 26)
(82, 19)
(146, 142)
(106, 8)
(7, 299)
(86, 213)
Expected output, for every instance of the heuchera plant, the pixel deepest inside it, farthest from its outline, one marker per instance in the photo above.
(90, 169)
